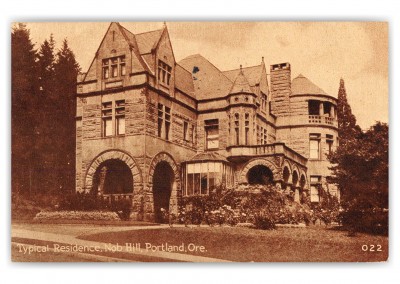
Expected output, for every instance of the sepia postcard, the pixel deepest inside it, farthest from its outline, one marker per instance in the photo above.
(199, 142)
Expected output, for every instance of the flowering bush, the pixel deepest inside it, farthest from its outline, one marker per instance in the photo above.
(76, 215)
(91, 202)
(263, 206)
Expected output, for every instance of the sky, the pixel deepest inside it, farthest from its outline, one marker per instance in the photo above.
(324, 52)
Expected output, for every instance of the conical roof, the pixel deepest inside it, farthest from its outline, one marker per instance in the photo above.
(241, 84)
(303, 86)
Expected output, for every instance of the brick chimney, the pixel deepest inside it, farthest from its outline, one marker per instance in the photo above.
(280, 89)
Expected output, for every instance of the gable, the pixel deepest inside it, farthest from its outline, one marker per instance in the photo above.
(115, 43)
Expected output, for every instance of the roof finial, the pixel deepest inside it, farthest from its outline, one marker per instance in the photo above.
(262, 59)
(240, 68)
(165, 24)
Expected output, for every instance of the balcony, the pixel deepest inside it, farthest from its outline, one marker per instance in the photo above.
(265, 150)
(318, 119)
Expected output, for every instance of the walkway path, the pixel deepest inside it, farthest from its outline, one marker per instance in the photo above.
(70, 234)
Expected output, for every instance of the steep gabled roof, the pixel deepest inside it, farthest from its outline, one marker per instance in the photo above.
(148, 41)
(303, 86)
(183, 80)
(241, 84)
(208, 80)
(253, 74)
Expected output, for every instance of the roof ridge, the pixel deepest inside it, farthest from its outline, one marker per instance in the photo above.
(149, 32)
(243, 68)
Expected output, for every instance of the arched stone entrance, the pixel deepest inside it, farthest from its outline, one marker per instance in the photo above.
(163, 180)
(112, 155)
(272, 171)
(260, 174)
(164, 184)
(112, 177)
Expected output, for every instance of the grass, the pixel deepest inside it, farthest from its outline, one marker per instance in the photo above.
(312, 244)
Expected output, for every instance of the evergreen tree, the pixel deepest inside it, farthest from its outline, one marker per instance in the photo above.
(45, 144)
(347, 124)
(24, 100)
(66, 71)
(360, 166)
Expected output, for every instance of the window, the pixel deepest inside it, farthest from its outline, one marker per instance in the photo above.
(185, 131)
(315, 183)
(120, 117)
(193, 133)
(314, 146)
(265, 136)
(106, 69)
(164, 121)
(106, 114)
(329, 143)
(164, 72)
(212, 135)
(203, 177)
(114, 66)
(237, 133)
(167, 122)
(246, 129)
(160, 119)
(263, 101)
(313, 107)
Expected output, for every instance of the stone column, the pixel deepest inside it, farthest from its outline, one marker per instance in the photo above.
(297, 195)
(332, 111)
(321, 108)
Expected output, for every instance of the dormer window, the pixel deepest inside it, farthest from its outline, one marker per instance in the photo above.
(164, 72)
(114, 67)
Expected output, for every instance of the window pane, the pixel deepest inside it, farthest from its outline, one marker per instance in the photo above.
(105, 73)
(114, 71)
(123, 69)
(107, 127)
(190, 168)
(196, 183)
(204, 185)
(314, 196)
(121, 125)
(189, 190)
(314, 149)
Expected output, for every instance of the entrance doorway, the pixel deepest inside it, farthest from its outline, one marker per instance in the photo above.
(260, 175)
(163, 180)
(112, 177)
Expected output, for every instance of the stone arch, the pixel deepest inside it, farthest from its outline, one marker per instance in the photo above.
(303, 180)
(176, 186)
(259, 162)
(287, 172)
(163, 157)
(108, 155)
(295, 176)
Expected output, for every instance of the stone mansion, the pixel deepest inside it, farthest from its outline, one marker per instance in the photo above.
(151, 129)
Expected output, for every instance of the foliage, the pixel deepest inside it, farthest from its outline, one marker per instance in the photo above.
(76, 215)
(262, 206)
(43, 115)
(360, 167)
(91, 202)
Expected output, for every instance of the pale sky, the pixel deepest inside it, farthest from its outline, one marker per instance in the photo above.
(323, 52)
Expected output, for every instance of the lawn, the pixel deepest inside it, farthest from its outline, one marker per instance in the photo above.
(311, 244)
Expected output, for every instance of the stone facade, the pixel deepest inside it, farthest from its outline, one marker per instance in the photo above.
(147, 125)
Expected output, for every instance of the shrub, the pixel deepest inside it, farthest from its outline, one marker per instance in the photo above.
(264, 221)
(91, 202)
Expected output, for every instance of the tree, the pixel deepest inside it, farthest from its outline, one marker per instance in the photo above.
(66, 70)
(347, 124)
(24, 99)
(360, 165)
